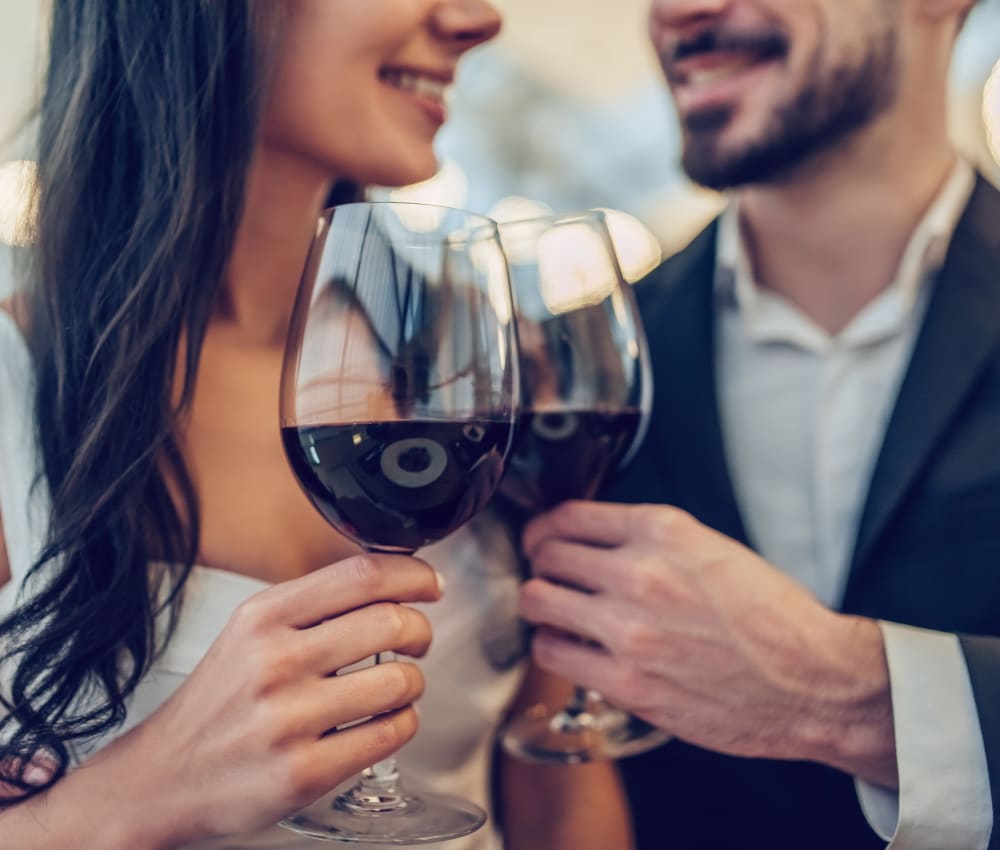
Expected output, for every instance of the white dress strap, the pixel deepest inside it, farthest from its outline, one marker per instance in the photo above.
(24, 498)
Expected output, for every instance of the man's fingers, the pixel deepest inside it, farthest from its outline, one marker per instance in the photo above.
(575, 612)
(589, 666)
(594, 523)
(612, 525)
(580, 566)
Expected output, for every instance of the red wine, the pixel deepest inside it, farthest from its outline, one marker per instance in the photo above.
(398, 485)
(565, 454)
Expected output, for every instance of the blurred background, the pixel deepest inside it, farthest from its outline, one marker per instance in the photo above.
(565, 111)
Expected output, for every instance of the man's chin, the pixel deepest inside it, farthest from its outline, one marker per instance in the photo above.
(713, 170)
(717, 161)
(707, 125)
(711, 156)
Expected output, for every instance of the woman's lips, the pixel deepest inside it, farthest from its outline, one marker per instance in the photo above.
(428, 89)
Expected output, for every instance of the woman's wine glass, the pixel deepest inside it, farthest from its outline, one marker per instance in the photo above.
(586, 397)
(398, 403)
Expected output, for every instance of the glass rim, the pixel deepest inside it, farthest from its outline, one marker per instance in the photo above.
(477, 221)
(573, 215)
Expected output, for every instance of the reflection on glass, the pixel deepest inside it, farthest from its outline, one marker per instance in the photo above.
(398, 403)
(586, 395)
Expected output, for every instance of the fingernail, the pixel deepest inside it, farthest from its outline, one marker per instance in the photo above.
(36, 774)
(441, 583)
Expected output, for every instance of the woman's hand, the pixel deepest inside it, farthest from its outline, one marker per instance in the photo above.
(247, 739)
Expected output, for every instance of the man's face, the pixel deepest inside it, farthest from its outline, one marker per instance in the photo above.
(763, 87)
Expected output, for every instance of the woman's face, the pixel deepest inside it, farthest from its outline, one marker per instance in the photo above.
(358, 85)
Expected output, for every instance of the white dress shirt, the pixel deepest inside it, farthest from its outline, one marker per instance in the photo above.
(803, 416)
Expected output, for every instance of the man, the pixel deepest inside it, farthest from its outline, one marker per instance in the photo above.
(846, 311)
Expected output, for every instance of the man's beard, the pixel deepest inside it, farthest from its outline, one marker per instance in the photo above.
(824, 113)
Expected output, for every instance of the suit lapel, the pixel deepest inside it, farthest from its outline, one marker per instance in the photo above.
(678, 311)
(961, 330)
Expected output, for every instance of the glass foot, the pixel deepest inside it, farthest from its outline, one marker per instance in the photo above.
(592, 731)
(398, 818)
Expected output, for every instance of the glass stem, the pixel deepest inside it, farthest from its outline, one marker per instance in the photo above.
(577, 703)
(378, 789)
(381, 780)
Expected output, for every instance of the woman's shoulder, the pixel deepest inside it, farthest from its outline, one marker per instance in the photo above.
(13, 317)
(15, 309)
(13, 326)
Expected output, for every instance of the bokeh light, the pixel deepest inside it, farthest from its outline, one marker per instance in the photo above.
(575, 268)
(17, 183)
(638, 250)
(448, 188)
(991, 112)
(517, 208)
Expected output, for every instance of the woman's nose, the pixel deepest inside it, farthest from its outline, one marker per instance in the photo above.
(467, 22)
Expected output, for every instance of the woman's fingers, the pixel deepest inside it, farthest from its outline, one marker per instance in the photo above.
(362, 745)
(342, 587)
(328, 703)
(383, 627)
(372, 691)
(304, 773)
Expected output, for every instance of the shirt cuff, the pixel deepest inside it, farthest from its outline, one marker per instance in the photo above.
(944, 787)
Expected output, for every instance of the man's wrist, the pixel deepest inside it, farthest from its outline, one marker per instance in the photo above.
(850, 723)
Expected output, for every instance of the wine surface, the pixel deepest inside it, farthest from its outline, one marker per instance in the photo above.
(398, 485)
(562, 455)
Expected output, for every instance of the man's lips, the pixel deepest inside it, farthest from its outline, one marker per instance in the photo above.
(712, 54)
(712, 68)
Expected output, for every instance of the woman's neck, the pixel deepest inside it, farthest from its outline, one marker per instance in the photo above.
(284, 197)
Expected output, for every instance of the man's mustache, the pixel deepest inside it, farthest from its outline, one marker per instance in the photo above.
(768, 44)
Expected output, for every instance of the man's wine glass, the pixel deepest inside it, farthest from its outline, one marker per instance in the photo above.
(586, 397)
(398, 403)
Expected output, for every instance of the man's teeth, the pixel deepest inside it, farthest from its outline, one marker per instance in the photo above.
(417, 84)
(707, 76)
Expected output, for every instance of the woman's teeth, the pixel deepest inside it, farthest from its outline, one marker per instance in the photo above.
(417, 84)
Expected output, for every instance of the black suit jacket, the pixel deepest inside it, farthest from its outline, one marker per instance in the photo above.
(928, 547)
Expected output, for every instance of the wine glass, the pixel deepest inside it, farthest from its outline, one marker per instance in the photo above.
(585, 401)
(398, 402)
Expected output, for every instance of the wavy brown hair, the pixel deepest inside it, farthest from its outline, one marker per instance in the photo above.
(147, 128)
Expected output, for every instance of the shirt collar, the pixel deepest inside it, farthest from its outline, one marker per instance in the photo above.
(769, 317)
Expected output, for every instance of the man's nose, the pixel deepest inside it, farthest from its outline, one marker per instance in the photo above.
(670, 20)
(678, 14)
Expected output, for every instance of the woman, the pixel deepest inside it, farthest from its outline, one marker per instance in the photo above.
(185, 151)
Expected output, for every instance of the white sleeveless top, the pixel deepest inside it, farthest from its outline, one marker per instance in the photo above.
(472, 670)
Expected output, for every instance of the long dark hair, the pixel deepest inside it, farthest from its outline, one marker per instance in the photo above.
(147, 129)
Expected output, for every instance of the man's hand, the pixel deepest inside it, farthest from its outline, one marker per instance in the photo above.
(699, 636)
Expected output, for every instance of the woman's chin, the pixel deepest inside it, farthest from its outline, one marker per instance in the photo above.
(404, 173)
